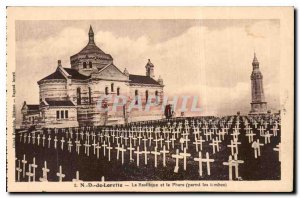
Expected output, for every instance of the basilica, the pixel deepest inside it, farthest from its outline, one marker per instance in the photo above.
(72, 97)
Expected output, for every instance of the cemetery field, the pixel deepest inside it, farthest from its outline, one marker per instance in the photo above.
(118, 153)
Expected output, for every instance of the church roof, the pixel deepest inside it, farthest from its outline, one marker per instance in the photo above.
(32, 107)
(75, 74)
(54, 75)
(138, 79)
(94, 49)
(72, 72)
(59, 103)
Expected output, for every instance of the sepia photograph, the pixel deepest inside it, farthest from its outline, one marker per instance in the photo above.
(136, 99)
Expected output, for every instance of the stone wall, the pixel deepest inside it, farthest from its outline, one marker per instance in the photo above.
(53, 90)
(50, 120)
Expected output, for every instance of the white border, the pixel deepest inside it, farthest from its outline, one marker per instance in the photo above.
(98, 3)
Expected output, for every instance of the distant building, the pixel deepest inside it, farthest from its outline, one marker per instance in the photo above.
(258, 104)
(69, 97)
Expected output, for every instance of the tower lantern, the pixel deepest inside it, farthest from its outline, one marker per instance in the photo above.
(91, 36)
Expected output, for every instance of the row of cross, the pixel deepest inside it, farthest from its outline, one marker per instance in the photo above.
(171, 139)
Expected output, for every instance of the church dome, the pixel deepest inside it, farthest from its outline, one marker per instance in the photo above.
(92, 49)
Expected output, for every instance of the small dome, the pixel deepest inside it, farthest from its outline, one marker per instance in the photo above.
(149, 63)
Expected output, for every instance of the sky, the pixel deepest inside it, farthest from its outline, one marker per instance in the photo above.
(207, 58)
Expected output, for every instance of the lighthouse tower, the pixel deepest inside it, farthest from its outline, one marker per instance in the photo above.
(258, 104)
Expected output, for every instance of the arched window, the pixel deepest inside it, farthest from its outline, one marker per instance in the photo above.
(118, 91)
(156, 96)
(84, 65)
(78, 96)
(147, 94)
(90, 64)
(90, 96)
(106, 90)
(112, 87)
(136, 93)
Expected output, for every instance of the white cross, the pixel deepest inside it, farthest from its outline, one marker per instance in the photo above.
(60, 175)
(221, 134)
(122, 150)
(138, 153)
(33, 139)
(38, 139)
(234, 145)
(19, 170)
(164, 152)
(274, 130)
(177, 156)
(125, 140)
(230, 164)
(150, 139)
(44, 137)
(45, 172)
(236, 164)
(70, 145)
(94, 146)
(29, 173)
(156, 141)
(104, 146)
(118, 150)
(256, 146)
(267, 136)
(78, 145)
(145, 152)
(250, 136)
(155, 153)
(24, 162)
(214, 144)
(34, 166)
(62, 143)
(29, 138)
(181, 143)
(130, 152)
(55, 142)
(201, 160)
(109, 148)
(49, 139)
(185, 156)
(235, 135)
(173, 140)
(87, 148)
(98, 147)
(261, 130)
